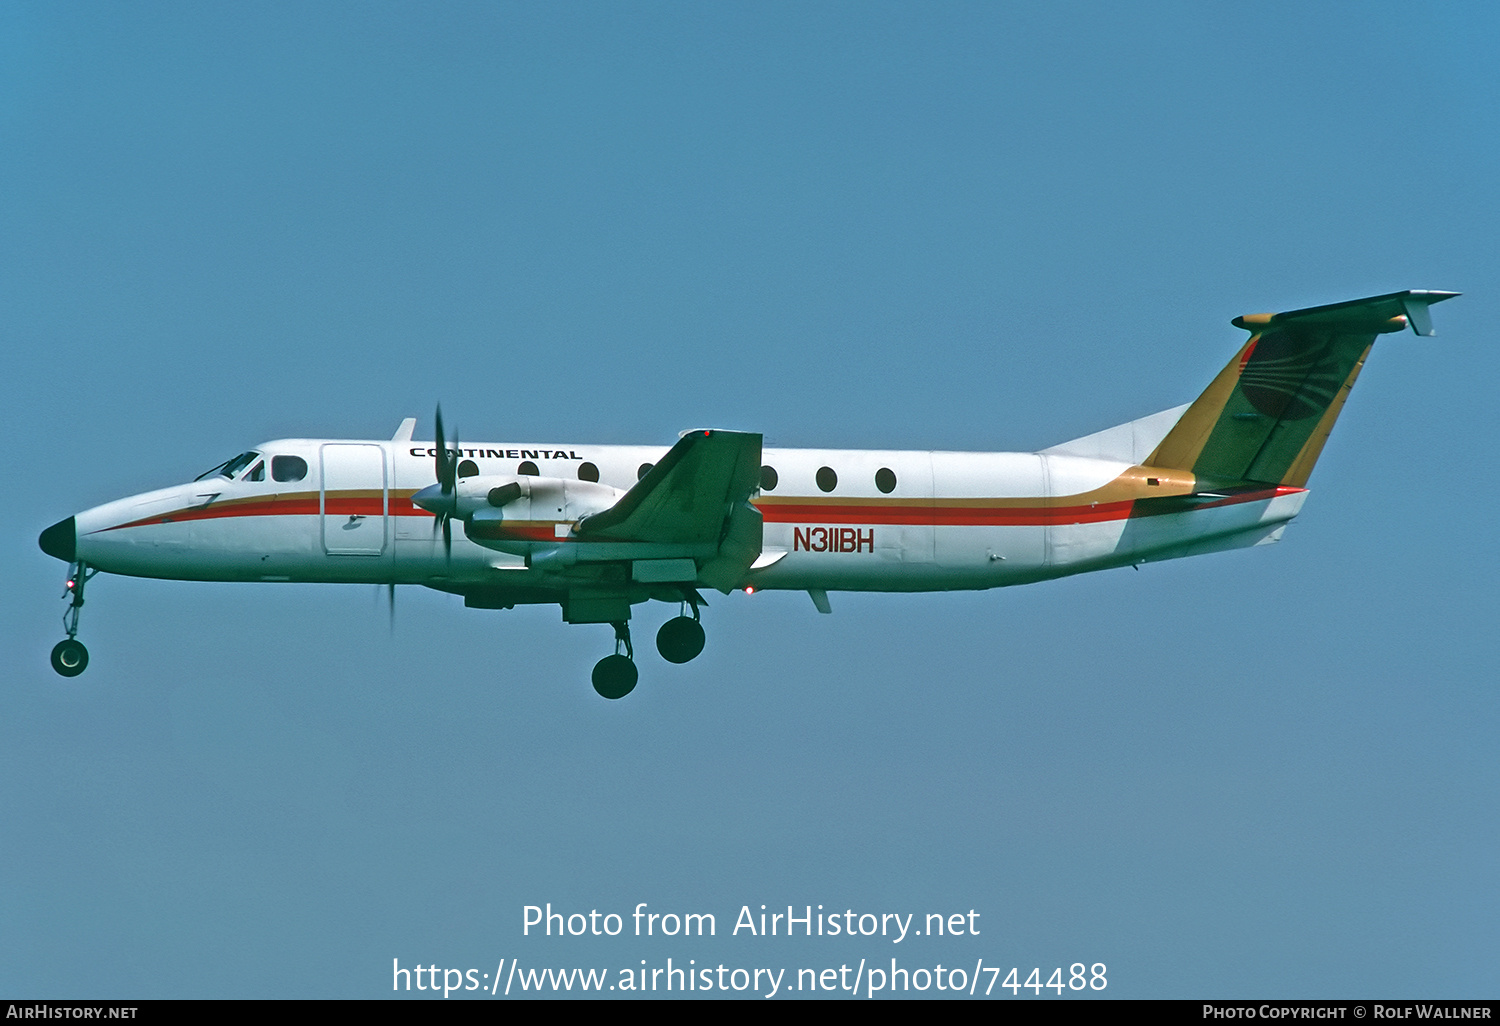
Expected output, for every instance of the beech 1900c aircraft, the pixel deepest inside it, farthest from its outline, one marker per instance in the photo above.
(600, 528)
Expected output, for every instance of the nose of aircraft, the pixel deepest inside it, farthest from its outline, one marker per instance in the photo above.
(60, 541)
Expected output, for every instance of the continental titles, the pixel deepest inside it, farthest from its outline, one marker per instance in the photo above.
(503, 454)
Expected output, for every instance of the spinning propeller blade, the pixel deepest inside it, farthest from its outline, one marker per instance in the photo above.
(447, 479)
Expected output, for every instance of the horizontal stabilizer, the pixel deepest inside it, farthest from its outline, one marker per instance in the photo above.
(1376, 314)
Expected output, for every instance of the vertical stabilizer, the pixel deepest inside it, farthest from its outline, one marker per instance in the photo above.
(1267, 415)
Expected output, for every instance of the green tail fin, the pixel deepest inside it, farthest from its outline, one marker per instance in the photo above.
(1266, 416)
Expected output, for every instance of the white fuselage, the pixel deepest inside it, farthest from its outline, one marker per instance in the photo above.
(891, 521)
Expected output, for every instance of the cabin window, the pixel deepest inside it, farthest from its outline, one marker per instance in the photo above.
(588, 472)
(768, 479)
(643, 470)
(288, 468)
(827, 479)
(468, 468)
(885, 480)
(528, 469)
(257, 472)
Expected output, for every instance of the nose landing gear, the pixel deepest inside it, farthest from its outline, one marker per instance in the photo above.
(69, 657)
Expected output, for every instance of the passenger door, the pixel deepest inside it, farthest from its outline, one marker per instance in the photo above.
(353, 499)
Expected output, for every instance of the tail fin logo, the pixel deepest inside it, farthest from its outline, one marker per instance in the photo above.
(1285, 378)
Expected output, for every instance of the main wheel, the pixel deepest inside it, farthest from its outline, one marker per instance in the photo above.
(69, 657)
(680, 639)
(615, 676)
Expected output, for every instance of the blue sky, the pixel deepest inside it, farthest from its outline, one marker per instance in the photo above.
(944, 226)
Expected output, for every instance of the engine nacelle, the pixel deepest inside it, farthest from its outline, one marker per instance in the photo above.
(513, 514)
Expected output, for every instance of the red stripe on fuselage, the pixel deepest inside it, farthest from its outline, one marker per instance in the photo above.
(931, 515)
(943, 516)
(291, 506)
(939, 515)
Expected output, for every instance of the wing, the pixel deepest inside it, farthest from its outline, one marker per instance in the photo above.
(688, 497)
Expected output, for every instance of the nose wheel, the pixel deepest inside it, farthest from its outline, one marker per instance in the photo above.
(615, 675)
(69, 657)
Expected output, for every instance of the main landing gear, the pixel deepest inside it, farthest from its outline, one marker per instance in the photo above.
(679, 640)
(69, 657)
(615, 675)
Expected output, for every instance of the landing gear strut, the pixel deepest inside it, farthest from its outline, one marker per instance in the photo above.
(69, 657)
(681, 638)
(615, 675)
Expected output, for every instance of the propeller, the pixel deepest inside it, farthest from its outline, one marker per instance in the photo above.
(441, 499)
(447, 479)
(390, 601)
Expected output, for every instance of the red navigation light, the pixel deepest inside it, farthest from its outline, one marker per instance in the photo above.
(749, 589)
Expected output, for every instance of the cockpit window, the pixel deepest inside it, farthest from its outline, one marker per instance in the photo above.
(229, 468)
(257, 472)
(288, 468)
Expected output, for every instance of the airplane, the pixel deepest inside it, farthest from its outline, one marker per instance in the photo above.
(598, 529)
